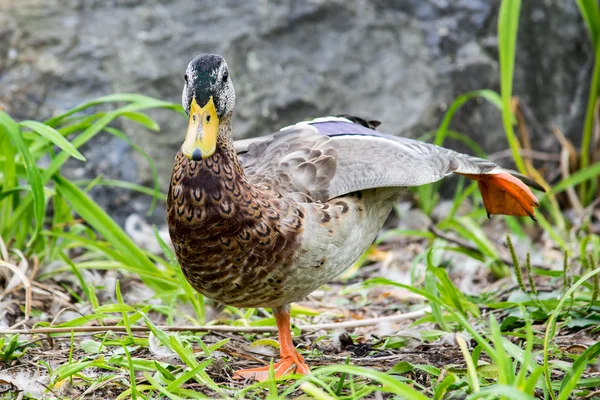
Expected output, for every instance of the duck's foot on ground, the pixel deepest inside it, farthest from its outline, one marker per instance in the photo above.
(288, 365)
(291, 361)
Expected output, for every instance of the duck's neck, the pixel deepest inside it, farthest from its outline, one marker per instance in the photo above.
(214, 188)
(224, 163)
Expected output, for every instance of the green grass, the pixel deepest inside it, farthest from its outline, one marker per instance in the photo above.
(534, 335)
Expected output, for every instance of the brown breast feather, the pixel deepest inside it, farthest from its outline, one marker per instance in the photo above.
(234, 242)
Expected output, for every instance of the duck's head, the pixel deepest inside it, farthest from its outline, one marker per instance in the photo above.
(208, 97)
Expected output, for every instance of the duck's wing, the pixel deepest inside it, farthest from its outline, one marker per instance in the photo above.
(329, 157)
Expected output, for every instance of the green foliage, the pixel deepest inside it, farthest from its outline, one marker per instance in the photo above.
(508, 23)
(35, 140)
(591, 15)
(10, 349)
(499, 339)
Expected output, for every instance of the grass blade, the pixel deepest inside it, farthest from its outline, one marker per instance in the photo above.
(588, 128)
(90, 132)
(388, 382)
(508, 23)
(55, 137)
(572, 377)
(591, 15)
(101, 221)
(12, 129)
(487, 94)
(551, 326)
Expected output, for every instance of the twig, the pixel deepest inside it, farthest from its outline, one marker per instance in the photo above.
(26, 285)
(218, 328)
(3, 250)
(568, 157)
(522, 126)
(366, 322)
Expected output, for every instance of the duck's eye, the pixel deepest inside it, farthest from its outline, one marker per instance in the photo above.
(208, 118)
(225, 76)
(185, 78)
(194, 117)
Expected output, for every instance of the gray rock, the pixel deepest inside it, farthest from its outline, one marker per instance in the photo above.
(402, 62)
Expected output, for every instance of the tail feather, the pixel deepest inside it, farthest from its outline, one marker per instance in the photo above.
(527, 180)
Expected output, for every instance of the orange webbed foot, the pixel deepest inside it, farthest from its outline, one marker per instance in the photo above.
(287, 366)
(291, 361)
(502, 193)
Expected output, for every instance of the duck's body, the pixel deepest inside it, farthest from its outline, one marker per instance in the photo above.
(264, 222)
(247, 240)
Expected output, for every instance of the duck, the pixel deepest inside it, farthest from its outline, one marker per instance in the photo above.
(263, 222)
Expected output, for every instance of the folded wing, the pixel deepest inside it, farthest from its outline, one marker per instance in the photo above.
(329, 157)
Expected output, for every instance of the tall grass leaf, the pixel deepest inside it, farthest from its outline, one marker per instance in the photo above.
(156, 385)
(12, 129)
(314, 392)
(487, 94)
(164, 372)
(470, 143)
(472, 372)
(427, 197)
(55, 137)
(508, 23)
(186, 354)
(144, 274)
(193, 297)
(91, 296)
(433, 299)
(67, 370)
(500, 392)
(9, 179)
(131, 367)
(460, 194)
(113, 98)
(393, 233)
(96, 217)
(451, 294)
(124, 314)
(13, 190)
(572, 377)
(83, 320)
(218, 345)
(549, 229)
(149, 160)
(164, 248)
(142, 119)
(470, 230)
(436, 309)
(117, 307)
(591, 15)
(389, 383)
(588, 127)
(582, 175)
(96, 127)
(528, 384)
(116, 183)
(551, 326)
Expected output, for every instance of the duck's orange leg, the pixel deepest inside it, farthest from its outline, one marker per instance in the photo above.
(291, 361)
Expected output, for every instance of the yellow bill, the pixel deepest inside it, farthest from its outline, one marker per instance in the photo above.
(203, 128)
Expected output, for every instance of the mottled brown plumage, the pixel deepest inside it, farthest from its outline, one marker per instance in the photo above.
(264, 222)
(240, 235)
(228, 234)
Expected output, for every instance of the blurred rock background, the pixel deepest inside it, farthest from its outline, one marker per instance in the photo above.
(399, 61)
